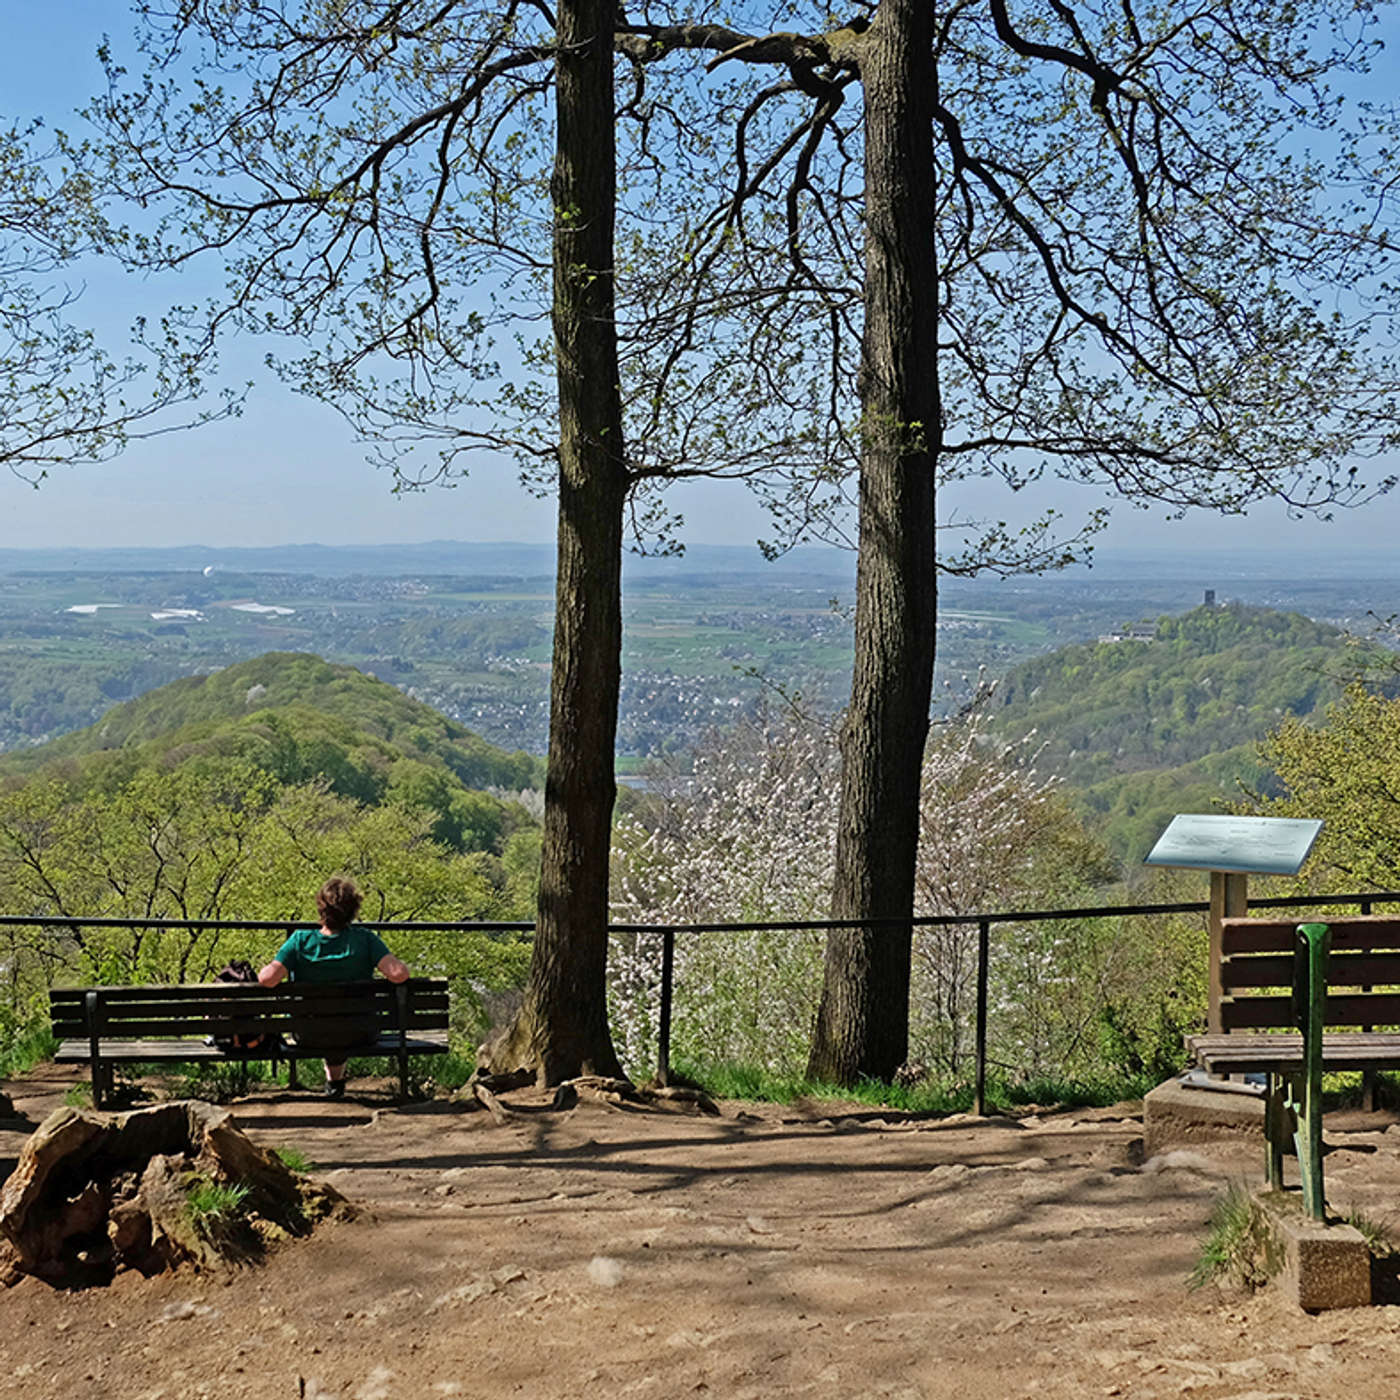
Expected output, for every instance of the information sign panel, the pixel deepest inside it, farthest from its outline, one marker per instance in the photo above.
(1242, 845)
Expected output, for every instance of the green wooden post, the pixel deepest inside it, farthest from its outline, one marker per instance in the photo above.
(1309, 1003)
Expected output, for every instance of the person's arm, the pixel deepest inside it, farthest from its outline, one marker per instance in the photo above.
(272, 974)
(286, 960)
(392, 968)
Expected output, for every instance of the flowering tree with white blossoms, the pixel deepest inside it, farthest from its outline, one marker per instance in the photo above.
(996, 835)
(748, 836)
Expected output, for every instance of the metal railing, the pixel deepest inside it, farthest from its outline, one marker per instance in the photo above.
(983, 922)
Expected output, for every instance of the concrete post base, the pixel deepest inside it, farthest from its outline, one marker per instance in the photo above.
(1175, 1115)
(1325, 1265)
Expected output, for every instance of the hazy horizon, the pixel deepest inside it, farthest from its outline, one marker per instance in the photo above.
(1202, 565)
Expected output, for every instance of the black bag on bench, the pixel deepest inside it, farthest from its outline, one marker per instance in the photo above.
(268, 1042)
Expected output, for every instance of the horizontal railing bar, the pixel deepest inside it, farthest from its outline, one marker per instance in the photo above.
(921, 920)
(1023, 916)
(1017, 916)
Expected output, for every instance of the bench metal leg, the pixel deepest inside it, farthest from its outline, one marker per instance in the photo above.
(92, 1015)
(1368, 1089)
(1307, 1138)
(1278, 1130)
(292, 1081)
(1313, 941)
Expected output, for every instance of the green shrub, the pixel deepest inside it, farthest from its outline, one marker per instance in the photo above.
(25, 1040)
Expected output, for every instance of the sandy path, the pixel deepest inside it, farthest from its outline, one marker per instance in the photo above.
(775, 1252)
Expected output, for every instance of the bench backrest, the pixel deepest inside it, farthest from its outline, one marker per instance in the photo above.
(1363, 972)
(225, 1009)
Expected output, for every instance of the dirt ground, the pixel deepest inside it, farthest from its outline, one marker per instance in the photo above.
(811, 1250)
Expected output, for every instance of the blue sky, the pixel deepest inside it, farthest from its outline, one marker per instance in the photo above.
(289, 470)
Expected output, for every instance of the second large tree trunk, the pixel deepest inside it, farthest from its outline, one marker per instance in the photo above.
(562, 1028)
(863, 1020)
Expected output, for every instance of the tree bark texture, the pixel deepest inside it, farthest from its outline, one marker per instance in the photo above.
(863, 1019)
(562, 1029)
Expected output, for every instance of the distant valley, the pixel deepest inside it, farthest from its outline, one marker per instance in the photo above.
(1138, 727)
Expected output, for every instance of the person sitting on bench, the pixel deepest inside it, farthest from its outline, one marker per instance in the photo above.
(339, 951)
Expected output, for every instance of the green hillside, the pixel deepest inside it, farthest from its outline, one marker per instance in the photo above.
(1210, 679)
(298, 720)
(1129, 812)
(272, 705)
(1145, 729)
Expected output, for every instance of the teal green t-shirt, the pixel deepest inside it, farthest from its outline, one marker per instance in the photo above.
(348, 956)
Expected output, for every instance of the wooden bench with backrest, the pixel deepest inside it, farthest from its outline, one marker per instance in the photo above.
(107, 1026)
(1298, 1000)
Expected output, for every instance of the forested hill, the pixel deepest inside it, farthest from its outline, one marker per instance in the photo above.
(1209, 680)
(294, 715)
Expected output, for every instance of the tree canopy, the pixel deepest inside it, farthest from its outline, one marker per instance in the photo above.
(63, 396)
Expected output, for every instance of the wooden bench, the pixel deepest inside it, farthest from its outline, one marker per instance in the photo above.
(105, 1026)
(1287, 987)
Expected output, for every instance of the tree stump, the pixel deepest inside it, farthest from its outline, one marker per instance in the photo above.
(152, 1189)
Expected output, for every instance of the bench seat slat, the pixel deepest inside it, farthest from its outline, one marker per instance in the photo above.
(128, 1051)
(213, 1023)
(1283, 1053)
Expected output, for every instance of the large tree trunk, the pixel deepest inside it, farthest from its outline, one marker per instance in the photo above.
(562, 1029)
(863, 1020)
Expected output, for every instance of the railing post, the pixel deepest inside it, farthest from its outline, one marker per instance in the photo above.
(984, 936)
(663, 1034)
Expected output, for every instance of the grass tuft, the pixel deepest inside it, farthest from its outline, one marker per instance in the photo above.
(215, 1207)
(1241, 1246)
(219, 1081)
(294, 1159)
(1378, 1234)
(452, 1070)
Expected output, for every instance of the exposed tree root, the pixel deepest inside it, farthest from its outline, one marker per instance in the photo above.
(622, 1094)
